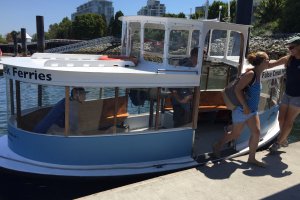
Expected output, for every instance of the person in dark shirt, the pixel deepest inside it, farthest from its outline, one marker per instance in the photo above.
(56, 116)
(290, 102)
(182, 97)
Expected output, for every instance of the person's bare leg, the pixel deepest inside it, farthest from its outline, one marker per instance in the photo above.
(235, 133)
(291, 114)
(282, 114)
(254, 126)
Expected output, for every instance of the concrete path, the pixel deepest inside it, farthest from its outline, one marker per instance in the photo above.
(230, 179)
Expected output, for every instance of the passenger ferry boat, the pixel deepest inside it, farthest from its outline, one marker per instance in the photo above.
(126, 123)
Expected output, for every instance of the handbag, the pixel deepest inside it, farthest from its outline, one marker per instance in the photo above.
(230, 99)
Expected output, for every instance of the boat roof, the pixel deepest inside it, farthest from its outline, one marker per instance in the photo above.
(87, 70)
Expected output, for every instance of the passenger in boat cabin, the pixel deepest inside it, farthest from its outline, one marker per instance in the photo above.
(54, 121)
(290, 102)
(247, 113)
(182, 97)
(192, 60)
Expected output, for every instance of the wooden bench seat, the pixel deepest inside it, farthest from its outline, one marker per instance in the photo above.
(209, 101)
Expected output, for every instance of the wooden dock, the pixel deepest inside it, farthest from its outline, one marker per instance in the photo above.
(230, 179)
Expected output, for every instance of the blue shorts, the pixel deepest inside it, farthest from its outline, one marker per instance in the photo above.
(289, 100)
(239, 117)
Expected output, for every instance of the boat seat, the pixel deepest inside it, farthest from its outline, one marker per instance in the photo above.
(209, 101)
(107, 118)
(99, 114)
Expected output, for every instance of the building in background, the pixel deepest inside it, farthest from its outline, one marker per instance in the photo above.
(101, 7)
(153, 8)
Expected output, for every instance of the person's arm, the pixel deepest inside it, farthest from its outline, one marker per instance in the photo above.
(239, 90)
(186, 99)
(280, 61)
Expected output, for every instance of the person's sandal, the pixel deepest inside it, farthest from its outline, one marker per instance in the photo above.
(257, 163)
(274, 147)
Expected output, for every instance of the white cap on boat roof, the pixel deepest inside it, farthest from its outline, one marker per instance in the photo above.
(294, 40)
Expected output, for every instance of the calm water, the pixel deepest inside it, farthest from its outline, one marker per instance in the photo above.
(16, 186)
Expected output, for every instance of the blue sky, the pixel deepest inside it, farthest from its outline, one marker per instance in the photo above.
(17, 14)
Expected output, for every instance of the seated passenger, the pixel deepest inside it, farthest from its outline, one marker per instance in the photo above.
(192, 60)
(55, 119)
(182, 97)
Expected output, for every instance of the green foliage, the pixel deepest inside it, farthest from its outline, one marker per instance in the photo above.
(2, 40)
(268, 11)
(88, 26)
(180, 15)
(290, 18)
(9, 36)
(214, 9)
(273, 16)
(266, 29)
(63, 30)
(198, 15)
(115, 25)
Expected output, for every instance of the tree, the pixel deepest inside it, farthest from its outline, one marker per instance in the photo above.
(63, 30)
(268, 11)
(289, 22)
(88, 26)
(2, 40)
(105, 24)
(214, 9)
(110, 26)
(117, 25)
(10, 36)
(180, 15)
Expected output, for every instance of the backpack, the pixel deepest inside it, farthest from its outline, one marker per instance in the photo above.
(230, 99)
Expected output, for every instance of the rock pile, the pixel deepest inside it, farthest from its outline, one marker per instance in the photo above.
(274, 45)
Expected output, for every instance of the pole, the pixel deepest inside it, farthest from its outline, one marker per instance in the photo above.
(40, 48)
(244, 12)
(206, 9)
(244, 15)
(24, 44)
(40, 33)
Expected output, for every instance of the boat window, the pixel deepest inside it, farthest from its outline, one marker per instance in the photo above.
(217, 43)
(178, 47)
(215, 73)
(178, 42)
(124, 38)
(154, 42)
(135, 40)
(195, 39)
(234, 44)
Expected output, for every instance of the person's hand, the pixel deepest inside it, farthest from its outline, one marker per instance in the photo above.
(246, 110)
(186, 99)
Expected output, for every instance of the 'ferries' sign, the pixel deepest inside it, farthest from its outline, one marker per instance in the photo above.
(25, 74)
